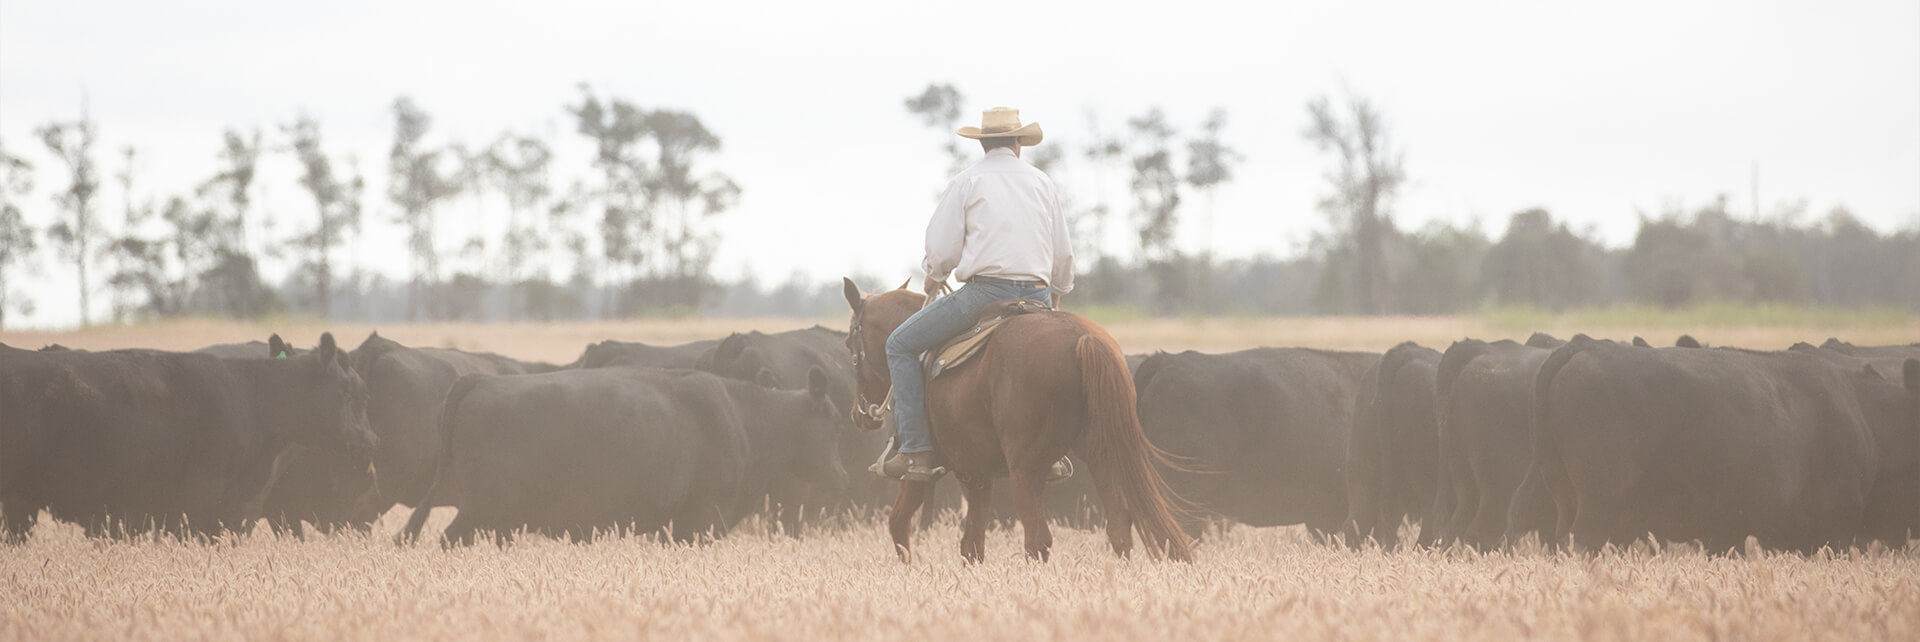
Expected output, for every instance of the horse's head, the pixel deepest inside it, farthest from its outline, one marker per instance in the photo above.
(874, 319)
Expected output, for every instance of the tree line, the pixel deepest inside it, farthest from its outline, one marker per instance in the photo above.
(634, 235)
(1361, 261)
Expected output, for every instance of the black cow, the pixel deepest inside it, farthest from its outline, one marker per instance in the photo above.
(1483, 394)
(251, 350)
(126, 440)
(1794, 449)
(640, 449)
(1265, 430)
(784, 360)
(1391, 452)
(405, 389)
(627, 353)
(1885, 359)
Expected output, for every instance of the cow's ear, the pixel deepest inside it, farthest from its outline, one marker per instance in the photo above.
(276, 347)
(328, 349)
(852, 292)
(765, 379)
(1686, 341)
(1641, 343)
(817, 384)
(904, 284)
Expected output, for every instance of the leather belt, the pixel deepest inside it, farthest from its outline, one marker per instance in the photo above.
(1000, 281)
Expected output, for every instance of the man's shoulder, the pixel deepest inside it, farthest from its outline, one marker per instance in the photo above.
(1002, 165)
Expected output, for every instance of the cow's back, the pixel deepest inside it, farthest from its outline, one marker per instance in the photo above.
(1712, 445)
(138, 436)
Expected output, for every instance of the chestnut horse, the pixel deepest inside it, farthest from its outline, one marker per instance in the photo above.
(1047, 382)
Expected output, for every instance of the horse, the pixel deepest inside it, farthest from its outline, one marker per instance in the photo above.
(1046, 383)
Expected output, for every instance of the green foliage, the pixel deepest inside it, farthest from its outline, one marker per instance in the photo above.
(1540, 262)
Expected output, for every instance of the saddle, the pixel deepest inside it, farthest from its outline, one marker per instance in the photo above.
(964, 347)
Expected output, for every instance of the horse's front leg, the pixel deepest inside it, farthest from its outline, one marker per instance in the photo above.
(973, 543)
(900, 524)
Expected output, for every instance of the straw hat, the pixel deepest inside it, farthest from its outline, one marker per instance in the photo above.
(1004, 122)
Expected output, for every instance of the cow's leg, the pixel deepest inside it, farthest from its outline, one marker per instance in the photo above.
(1028, 503)
(900, 524)
(973, 542)
(460, 531)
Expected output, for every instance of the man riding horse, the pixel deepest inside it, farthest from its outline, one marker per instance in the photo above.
(999, 230)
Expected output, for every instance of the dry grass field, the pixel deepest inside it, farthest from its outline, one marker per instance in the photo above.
(843, 583)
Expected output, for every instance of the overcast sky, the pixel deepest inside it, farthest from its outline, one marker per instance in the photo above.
(1595, 111)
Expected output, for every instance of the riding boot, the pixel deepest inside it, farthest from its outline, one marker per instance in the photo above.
(912, 467)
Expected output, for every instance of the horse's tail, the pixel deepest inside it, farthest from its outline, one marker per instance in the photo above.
(423, 507)
(1120, 448)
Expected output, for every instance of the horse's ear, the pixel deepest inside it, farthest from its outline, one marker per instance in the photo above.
(817, 384)
(854, 297)
(904, 284)
(765, 379)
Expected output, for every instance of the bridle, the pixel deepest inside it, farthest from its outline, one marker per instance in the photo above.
(873, 412)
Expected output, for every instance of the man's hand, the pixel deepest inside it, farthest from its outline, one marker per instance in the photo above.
(1056, 300)
(934, 287)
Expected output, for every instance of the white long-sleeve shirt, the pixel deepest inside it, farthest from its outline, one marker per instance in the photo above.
(1000, 218)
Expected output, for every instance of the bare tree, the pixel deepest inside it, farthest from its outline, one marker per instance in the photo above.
(239, 160)
(230, 283)
(416, 184)
(16, 237)
(617, 128)
(938, 107)
(141, 281)
(72, 142)
(336, 205)
(680, 199)
(1156, 188)
(1209, 164)
(1368, 175)
(519, 166)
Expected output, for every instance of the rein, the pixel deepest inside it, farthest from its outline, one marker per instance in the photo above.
(862, 408)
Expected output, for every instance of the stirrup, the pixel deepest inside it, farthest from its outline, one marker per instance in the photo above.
(1058, 472)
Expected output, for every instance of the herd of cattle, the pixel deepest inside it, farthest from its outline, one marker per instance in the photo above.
(1584, 441)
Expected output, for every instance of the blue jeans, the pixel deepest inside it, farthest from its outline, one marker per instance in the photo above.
(943, 319)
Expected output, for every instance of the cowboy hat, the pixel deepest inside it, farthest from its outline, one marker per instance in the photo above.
(1004, 122)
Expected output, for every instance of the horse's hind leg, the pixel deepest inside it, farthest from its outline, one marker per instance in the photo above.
(1119, 520)
(1027, 502)
(900, 524)
(973, 543)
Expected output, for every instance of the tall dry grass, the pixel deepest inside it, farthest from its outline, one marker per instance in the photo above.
(844, 584)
